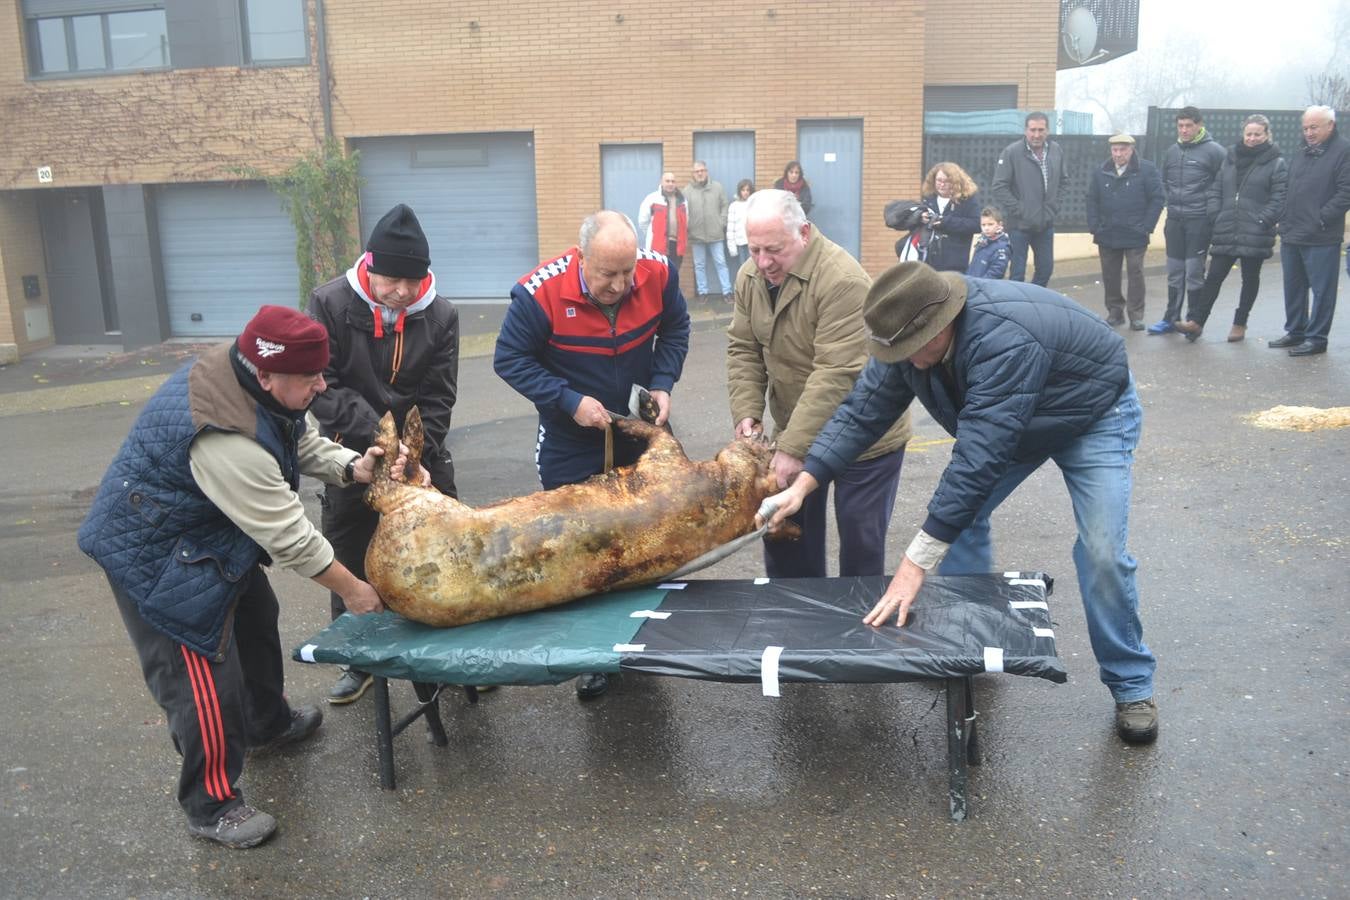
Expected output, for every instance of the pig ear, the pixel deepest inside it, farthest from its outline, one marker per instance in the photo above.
(415, 438)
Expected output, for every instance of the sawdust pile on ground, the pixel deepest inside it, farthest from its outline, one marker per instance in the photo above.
(1301, 418)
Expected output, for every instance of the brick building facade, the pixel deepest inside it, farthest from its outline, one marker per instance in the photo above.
(144, 150)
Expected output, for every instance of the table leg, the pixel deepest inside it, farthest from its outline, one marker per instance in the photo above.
(957, 716)
(972, 727)
(429, 696)
(384, 733)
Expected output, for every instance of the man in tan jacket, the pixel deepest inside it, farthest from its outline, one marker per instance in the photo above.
(797, 343)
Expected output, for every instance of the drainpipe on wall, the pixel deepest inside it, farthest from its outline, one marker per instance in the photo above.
(325, 94)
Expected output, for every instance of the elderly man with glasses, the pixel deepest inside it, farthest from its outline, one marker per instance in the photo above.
(1019, 375)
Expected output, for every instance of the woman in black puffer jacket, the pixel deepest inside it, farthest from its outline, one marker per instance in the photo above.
(1250, 188)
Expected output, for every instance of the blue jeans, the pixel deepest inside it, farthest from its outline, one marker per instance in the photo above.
(1097, 469)
(1309, 268)
(864, 498)
(717, 251)
(1042, 247)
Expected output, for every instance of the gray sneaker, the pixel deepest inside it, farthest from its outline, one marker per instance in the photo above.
(350, 687)
(239, 828)
(1137, 721)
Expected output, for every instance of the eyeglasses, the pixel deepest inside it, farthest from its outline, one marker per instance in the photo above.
(918, 314)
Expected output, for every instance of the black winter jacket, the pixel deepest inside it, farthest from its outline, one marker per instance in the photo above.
(364, 381)
(1123, 210)
(949, 241)
(1187, 172)
(1031, 371)
(1319, 194)
(1249, 206)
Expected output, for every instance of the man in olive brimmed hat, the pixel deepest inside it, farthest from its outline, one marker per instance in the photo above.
(1019, 375)
(203, 494)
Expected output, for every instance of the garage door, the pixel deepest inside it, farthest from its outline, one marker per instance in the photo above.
(473, 194)
(226, 250)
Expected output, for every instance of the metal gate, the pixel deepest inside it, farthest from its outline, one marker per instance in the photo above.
(474, 195)
(227, 249)
(629, 172)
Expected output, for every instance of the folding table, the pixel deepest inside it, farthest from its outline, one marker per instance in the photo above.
(771, 632)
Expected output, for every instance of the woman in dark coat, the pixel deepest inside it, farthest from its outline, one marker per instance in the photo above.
(794, 182)
(1250, 188)
(952, 217)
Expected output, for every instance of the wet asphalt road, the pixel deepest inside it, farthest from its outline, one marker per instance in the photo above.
(668, 787)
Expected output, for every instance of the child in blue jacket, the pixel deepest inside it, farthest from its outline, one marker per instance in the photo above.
(990, 259)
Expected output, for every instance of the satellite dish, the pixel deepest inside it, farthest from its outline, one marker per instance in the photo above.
(1080, 34)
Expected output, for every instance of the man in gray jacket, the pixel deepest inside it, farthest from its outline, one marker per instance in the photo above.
(1029, 181)
(707, 230)
(1189, 168)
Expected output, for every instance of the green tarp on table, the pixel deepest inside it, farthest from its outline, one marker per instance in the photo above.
(720, 630)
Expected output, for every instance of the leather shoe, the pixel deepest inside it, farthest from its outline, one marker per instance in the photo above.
(591, 685)
(1237, 333)
(1136, 325)
(304, 722)
(1287, 341)
(1307, 348)
(1115, 321)
(1191, 329)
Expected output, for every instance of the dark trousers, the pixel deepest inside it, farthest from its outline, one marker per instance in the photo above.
(1042, 247)
(349, 525)
(1132, 301)
(1309, 268)
(1202, 304)
(864, 497)
(216, 709)
(672, 254)
(562, 456)
(1187, 243)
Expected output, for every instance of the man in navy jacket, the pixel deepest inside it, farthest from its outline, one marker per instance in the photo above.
(1124, 201)
(1019, 375)
(1311, 228)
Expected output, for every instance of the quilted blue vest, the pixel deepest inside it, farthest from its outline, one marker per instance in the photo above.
(159, 538)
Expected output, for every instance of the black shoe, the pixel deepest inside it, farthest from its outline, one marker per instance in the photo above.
(239, 828)
(1137, 722)
(591, 685)
(1136, 324)
(1287, 341)
(1115, 321)
(1307, 348)
(304, 722)
(349, 687)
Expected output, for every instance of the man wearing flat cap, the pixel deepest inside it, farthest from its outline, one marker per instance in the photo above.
(394, 345)
(1124, 201)
(201, 496)
(1019, 375)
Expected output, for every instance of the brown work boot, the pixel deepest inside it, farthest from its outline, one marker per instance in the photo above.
(1137, 721)
(1237, 333)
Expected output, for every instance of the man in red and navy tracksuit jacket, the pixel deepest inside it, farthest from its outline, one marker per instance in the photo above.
(581, 330)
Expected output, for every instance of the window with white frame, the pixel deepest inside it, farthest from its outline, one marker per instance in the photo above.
(121, 40)
(274, 31)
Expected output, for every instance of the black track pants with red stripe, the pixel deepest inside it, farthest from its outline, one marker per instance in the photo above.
(216, 709)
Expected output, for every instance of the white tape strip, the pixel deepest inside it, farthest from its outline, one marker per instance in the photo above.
(1043, 632)
(1029, 604)
(307, 652)
(768, 670)
(1011, 574)
(648, 614)
(761, 581)
(672, 586)
(993, 659)
(1035, 581)
(629, 648)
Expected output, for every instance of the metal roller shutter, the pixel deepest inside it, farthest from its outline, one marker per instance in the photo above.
(473, 194)
(226, 250)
